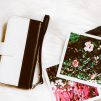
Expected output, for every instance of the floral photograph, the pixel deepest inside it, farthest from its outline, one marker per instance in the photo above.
(82, 58)
(65, 90)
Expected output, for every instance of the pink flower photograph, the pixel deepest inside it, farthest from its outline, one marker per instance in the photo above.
(66, 90)
(82, 59)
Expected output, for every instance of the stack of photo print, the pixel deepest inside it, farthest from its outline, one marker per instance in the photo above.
(78, 75)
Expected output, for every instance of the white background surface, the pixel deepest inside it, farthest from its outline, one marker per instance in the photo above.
(66, 16)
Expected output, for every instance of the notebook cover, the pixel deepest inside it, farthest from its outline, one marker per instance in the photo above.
(24, 38)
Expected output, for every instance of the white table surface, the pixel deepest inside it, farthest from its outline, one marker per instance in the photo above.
(66, 16)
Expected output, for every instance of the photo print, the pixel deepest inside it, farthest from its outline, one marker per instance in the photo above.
(66, 90)
(81, 59)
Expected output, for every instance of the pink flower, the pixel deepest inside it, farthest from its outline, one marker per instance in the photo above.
(88, 46)
(75, 63)
(79, 92)
(93, 76)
